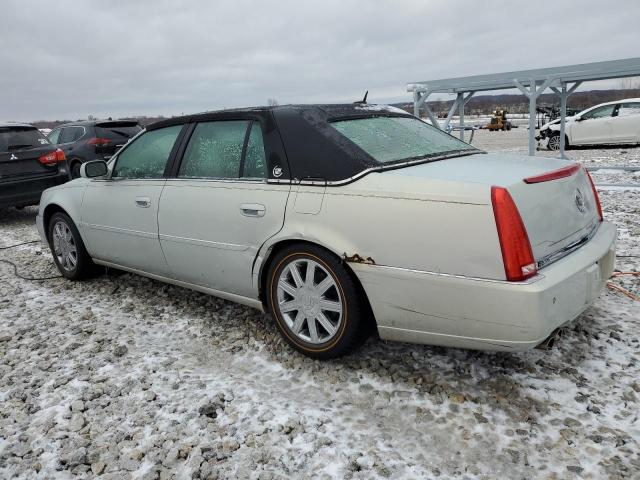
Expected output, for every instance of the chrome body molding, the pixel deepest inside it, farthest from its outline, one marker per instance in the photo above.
(554, 257)
(204, 243)
(528, 281)
(135, 233)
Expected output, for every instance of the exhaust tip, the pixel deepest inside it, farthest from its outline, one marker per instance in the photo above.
(549, 342)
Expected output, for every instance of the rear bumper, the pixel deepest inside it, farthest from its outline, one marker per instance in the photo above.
(24, 192)
(456, 311)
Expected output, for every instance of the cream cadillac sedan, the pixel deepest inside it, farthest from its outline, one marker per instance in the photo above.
(343, 220)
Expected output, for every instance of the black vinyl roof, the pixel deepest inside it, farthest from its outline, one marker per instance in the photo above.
(314, 150)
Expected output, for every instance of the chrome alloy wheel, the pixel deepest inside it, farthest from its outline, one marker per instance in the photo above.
(64, 246)
(310, 301)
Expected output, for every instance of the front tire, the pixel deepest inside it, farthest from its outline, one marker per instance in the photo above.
(67, 248)
(75, 169)
(315, 302)
(554, 142)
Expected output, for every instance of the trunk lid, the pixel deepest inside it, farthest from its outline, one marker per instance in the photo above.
(558, 215)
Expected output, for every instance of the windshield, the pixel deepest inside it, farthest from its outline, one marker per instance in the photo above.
(390, 139)
(21, 138)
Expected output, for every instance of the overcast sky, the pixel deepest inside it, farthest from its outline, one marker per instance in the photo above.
(64, 59)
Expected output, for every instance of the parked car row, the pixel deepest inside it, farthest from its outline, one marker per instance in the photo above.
(605, 124)
(31, 162)
(91, 140)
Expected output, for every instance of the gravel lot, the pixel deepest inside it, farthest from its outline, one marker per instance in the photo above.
(125, 377)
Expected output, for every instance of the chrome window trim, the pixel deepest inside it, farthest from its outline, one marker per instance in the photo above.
(217, 180)
(380, 168)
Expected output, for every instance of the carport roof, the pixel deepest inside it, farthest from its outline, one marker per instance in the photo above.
(627, 67)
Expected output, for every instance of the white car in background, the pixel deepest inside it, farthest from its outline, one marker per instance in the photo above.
(340, 219)
(605, 124)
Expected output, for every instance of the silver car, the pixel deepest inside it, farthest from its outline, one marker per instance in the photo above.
(343, 220)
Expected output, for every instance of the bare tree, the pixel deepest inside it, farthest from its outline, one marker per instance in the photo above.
(272, 102)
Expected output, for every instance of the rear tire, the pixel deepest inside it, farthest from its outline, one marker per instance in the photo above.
(67, 248)
(316, 302)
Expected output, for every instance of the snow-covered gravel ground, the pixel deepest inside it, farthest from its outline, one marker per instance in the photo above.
(125, 377)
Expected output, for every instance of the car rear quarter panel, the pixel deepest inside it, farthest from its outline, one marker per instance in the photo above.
(436, 226)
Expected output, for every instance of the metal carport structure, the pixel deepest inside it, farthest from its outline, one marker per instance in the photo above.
(563, 81)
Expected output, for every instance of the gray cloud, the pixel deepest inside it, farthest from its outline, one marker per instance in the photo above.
(69, 59)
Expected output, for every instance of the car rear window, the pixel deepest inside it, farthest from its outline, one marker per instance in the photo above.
(117, 131)
(391, 139)
(21, 138)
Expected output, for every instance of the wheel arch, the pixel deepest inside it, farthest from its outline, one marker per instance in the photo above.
(48, 212)
(273, 249)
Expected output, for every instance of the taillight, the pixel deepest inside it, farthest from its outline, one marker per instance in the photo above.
(517, 256)
(595, 194)
(554, 174)
(53, 157)
(99, 142)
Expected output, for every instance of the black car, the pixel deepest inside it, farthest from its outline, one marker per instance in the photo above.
(92, 140)
(29, 164)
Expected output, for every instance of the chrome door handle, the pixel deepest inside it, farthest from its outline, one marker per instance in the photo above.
(143, 202)
(253, 209)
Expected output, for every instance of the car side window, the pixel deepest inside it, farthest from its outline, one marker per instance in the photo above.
(600, 112)
(255, 161)
(66, 135)
(214, 150)
(630, 108)
(70, 134)
(147, 156)
(54, 135)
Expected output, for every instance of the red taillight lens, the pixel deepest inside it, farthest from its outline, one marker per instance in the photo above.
(595, 194)
(99, 142)
(554, 175)
(52, 158)
(517, 256)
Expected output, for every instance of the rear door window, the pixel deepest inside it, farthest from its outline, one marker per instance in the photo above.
(147, 155)
(628, 109)
(21, 138)
(54, 136)
(214, 150)
(71, 134)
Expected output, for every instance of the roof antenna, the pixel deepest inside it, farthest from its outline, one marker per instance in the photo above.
(364, 100)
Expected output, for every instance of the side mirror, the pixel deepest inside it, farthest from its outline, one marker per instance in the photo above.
(93, 169)
(578, 119)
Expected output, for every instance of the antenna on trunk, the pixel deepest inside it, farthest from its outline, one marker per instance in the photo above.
(364, 100)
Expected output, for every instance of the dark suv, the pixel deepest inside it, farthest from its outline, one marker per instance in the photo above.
(29, 164)
(92, 140)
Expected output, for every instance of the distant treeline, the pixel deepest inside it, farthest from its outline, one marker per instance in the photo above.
(514, 103)
(144, 121)
(479, 105)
